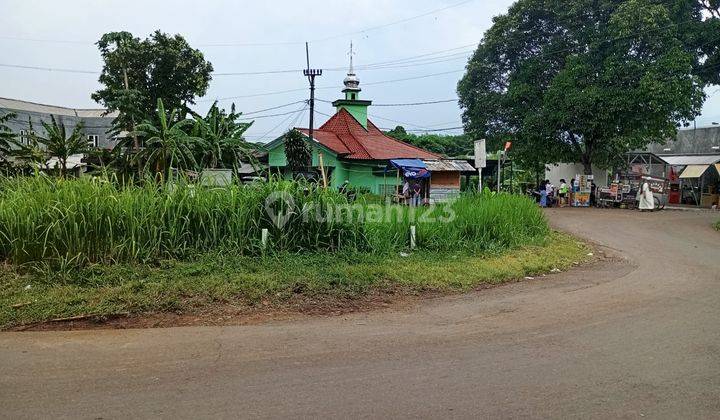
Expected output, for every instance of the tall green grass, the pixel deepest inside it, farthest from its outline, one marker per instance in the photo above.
(87, 220)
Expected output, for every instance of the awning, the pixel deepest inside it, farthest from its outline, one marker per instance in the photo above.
(447, 165)
(694, 171)
(691, 159)
(411, 168)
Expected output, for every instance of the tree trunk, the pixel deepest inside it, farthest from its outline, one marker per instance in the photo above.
(587, 166)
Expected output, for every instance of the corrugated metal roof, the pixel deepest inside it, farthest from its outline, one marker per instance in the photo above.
(691, 160)
(694, 171)
(449, 165)
(18, 105)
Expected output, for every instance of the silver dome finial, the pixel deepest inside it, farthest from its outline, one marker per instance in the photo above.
(351, 81)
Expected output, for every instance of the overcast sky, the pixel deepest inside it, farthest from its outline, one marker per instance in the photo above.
(265, 36)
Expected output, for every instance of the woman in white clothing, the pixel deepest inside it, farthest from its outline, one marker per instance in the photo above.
(647, 201)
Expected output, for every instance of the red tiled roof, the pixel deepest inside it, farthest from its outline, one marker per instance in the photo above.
(344, 135)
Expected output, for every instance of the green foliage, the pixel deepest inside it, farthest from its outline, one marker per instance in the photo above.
(446, 145)
(95, 220)
(213, 280)
(159, 67)
(7, 137)
(582, 80)
(223, 143)
(167, 144)
(299, 156)
(57, 143)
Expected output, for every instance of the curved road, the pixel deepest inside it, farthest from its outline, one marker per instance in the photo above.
(630, 339)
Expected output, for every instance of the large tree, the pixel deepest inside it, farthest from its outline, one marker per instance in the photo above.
(586, 80)
(136, 73)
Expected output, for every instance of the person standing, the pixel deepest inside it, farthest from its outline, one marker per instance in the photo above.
(550, 189)
(543, 194)
(647, 200)
(416, 188)
(562, 193)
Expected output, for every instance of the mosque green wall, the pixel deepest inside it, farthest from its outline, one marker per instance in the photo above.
(359, 175)
(359, 112)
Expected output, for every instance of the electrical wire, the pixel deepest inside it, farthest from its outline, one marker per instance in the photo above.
(272, 115)
(289, 118)
(268, 44)
(441, 101)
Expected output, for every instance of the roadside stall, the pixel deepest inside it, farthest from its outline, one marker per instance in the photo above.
(412, 174)
(623, 191)
(701, 184)
(695, 179)
(445, 178)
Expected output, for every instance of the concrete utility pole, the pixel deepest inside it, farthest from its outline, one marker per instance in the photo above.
(311, 74)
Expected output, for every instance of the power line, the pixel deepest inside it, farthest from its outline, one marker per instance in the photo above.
(266, 44)
(334, 87)
(431, 12)
(272, 115)
(443, 101)
(284, 121)
(61, 70)
(274, 107)
(396, 121)
(439, 129)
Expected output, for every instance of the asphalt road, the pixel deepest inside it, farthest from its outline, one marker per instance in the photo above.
(632, 339)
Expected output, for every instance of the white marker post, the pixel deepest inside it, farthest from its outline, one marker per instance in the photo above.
(264, 238)
(412, 236)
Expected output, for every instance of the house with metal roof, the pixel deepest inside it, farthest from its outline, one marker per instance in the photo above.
(355, 151)
(30, 116)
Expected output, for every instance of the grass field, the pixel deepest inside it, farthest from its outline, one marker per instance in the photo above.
(71, 223)
(190, 286)
(93, 246)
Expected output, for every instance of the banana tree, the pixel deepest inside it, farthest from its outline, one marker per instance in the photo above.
(166, 142)
(222, 134)
(58, 144)
(7, 137)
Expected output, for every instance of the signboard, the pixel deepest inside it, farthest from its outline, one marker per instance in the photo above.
(480, 154)
(508, 145)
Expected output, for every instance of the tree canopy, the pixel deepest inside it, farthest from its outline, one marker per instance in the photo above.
(443, 144)
(587, 80)
(136, 73)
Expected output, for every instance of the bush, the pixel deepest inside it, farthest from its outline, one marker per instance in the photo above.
(94, 220)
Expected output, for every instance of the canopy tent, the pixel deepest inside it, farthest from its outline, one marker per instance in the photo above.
(411, 168)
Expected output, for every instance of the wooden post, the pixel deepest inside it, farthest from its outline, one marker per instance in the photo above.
(322, 169)
(397, 183)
